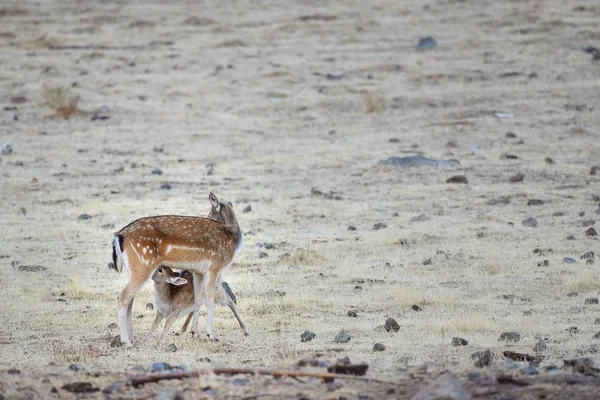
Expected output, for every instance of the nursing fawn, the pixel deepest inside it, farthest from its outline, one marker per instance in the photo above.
(174, 297)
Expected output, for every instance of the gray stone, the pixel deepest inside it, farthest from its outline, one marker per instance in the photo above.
(307, 336)
(172, 348)
(446, 387)
(391, 325)
(482, 358)
(418, 161)
(379, 347)
(540, 346)
(530, 222)
(426, 43)
(342, 337)
(510, 337)
(456, 341)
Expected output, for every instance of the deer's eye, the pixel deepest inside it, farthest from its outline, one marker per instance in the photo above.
(160, 271)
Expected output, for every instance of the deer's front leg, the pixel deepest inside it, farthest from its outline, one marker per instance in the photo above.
(199, 284)
(210, 289)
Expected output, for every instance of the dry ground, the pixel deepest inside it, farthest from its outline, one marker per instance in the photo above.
(262, 103)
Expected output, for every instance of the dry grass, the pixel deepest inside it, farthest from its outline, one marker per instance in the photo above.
(469, 263)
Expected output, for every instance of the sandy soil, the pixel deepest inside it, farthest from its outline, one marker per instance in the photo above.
(288, 108)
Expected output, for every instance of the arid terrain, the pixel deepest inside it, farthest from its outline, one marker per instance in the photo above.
(115, 110)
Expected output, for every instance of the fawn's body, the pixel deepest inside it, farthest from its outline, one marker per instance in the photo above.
(204, 246)
(174, 297)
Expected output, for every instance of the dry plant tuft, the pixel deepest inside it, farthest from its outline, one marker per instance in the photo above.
(372, 103)
(582, 281)
(305, 257)
(62, 100)
(64, 353)
(77, 289)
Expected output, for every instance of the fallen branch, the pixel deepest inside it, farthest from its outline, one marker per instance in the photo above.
(325, 376)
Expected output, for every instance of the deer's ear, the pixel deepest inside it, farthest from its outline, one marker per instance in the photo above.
(213, 200)
(178, 281)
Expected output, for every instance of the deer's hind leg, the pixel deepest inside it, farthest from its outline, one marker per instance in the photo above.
(139, 275)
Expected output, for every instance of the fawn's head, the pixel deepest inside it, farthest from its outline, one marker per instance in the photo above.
(167, 275)
(221, 212)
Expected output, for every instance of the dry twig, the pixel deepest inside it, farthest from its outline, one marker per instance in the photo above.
(325, 376)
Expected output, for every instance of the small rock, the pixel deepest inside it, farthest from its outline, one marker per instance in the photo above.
(456, 341)
(591, 300)
(508, 157)
(482, 358)
(457, 179)
(421, 217)
(535, 202)
(161, 366)
(549, 160)
(511, 135)
(572, 330)
(446, 387)
(172, 348)
(149, 306)
(544, 263)
(591, 232)
(570, 237)
(13, 371)
(427, 262)
(416, 308)
(597, 336)
(516, 178)
(262, 254)
(530, 370)
(572, 294)
(342, 337)
(510, 337)
(597, 321)
(588, 222)
(352, 314)
(581, 365)
(156, 171)
(568, 260)
(84, 216)
(379, 225)
(379, 347)
(247, 209)
(588, 255)
(540, 346)
(307, 336)
(116, 341)
(113, 325)
(6, 148)
(594, 171)
(166, 186)
(80, 387)
(558, 214)
(426, 43)
(530, 222)
(351, 228)
(391, 325)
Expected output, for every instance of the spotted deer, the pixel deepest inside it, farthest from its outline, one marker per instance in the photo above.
(174, 297)
(204, 246)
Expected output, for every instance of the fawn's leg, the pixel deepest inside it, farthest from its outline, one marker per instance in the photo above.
(168, 324)
(185, 324)
(157, 320)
